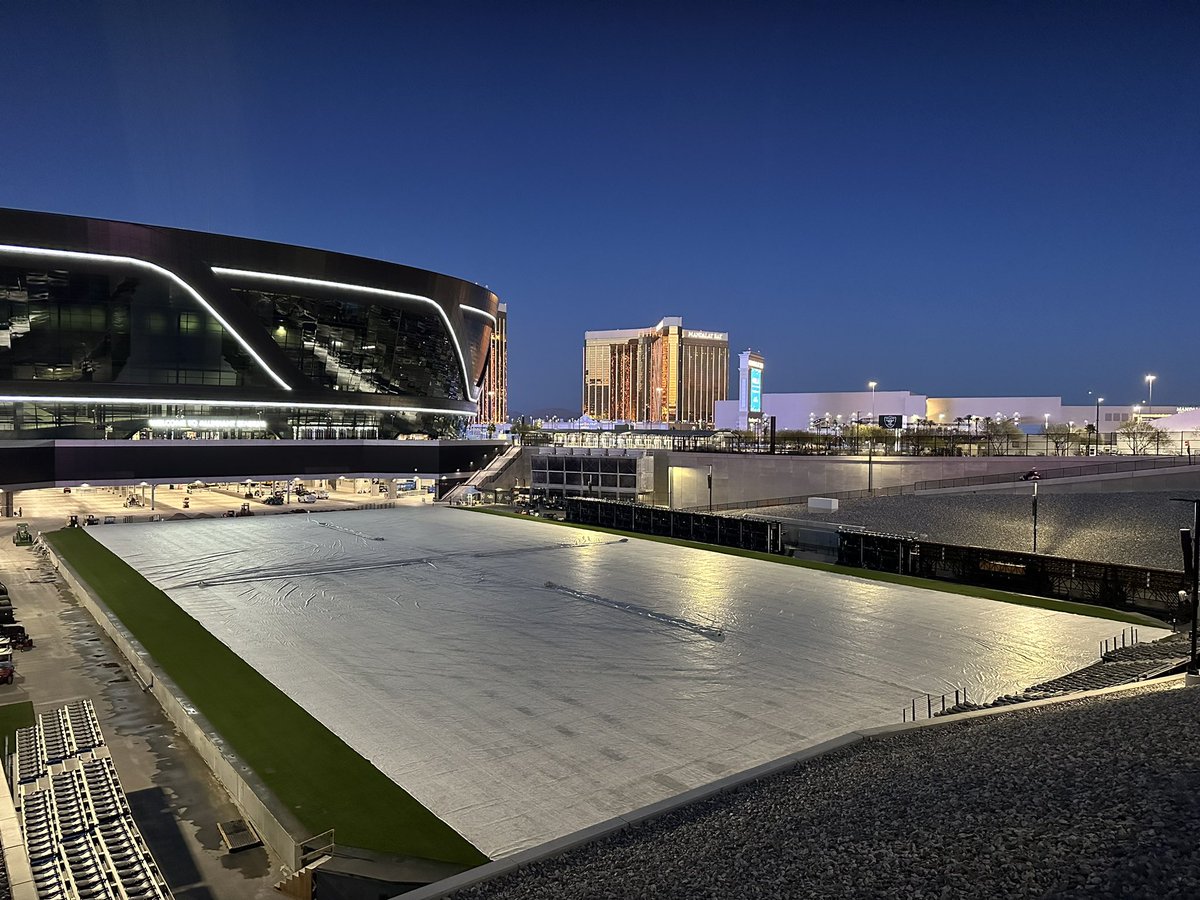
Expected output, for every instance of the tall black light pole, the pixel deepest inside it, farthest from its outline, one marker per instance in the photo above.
(710, 489)
(1191, 567)
(1099, 400)
(871, 462)
(1034, 476)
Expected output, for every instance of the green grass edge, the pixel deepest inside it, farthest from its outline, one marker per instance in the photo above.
(946, 587)
(18, 714)
(310, 770)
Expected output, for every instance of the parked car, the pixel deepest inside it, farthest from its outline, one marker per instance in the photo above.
(274, 500)
(321, 495)
(308, 498)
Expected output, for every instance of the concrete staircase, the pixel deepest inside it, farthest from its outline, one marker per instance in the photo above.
(485, 477)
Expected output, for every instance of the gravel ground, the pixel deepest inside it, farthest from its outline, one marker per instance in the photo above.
(1095, 798)
(1136, 528)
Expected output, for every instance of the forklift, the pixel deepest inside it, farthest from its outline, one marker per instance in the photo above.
(22, 537)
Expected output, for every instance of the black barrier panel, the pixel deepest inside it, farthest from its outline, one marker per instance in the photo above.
(1155, 591)
(743, 533)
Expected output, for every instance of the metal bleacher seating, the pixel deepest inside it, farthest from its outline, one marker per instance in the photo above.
(82, 841)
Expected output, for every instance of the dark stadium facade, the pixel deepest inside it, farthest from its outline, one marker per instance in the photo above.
(112, 330)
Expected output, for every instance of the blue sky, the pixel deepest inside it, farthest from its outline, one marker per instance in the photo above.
(955, 199)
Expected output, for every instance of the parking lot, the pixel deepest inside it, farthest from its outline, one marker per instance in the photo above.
(49, 508)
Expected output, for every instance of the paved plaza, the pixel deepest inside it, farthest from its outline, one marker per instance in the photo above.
(524, 679)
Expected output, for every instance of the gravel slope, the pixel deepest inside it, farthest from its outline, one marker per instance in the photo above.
(1092, 798)
(1135, 528)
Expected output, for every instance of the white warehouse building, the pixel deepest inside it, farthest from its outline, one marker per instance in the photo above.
(797, 412)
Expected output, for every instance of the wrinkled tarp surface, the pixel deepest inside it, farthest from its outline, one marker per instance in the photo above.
(524, 680)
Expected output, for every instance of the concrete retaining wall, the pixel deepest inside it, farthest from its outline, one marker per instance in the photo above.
(275, 824)
(738, 478)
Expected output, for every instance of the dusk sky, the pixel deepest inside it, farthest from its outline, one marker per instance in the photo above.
(955, 199)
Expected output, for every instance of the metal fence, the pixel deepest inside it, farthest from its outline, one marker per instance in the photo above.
(1154, 591)
(726, 531)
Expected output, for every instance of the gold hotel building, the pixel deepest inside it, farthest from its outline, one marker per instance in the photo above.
(493, 394)
(666, 373)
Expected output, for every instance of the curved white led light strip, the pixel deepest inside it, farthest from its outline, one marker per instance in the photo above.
(478, 312)
(273, 404)
(43, 253)
(473, 392)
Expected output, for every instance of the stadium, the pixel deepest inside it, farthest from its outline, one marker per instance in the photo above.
(113, 330)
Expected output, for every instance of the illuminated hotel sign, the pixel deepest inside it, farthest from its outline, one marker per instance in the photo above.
(755, 390)
(706, 335)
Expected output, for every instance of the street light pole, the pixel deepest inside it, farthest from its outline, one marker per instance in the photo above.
(1099, 400)
(872, 385)
(710, 489)
(1035, 484)
(1191, 542)
(870, 462)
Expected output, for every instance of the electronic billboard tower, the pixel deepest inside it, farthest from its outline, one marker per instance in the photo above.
(750, 390)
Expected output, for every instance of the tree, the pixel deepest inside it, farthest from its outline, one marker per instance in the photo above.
(997, 433)
(1062, 436)
(1138, 434)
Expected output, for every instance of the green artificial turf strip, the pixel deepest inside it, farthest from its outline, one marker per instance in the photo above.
(324, 782)
(946, 587)
(12, 717)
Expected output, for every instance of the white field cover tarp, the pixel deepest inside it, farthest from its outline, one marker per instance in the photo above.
(524, 680)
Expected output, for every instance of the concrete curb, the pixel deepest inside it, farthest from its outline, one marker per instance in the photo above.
(448, 886)
(16, 856)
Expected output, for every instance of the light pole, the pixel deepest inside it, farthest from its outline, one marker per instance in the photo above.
(1099, 400)
(710, 489)
(1150, 381)
(872, 385)
(1191, 567)
(1034, 476)
(871, 459)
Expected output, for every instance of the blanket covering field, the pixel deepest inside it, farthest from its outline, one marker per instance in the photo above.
(523, 680)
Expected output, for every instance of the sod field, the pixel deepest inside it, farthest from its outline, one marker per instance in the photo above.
(309, 769)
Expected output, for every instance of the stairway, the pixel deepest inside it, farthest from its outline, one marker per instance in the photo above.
(482, 479)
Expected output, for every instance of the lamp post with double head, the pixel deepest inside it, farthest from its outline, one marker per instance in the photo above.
(1150, 381)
